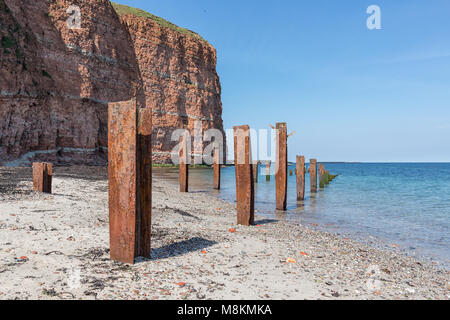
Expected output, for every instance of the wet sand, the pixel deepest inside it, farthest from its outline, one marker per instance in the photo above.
(56, 247)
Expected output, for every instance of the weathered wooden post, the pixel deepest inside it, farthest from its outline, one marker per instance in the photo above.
(268, 163)
(184, 163)
(245, 193)
(326, 176)
(322, 181)
(255, 167)
(216, 167)
(42, 177)
(129, 179)
(300, 178)
(281, 167)
(313, 174)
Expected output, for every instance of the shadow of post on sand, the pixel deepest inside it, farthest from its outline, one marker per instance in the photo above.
(181, 248)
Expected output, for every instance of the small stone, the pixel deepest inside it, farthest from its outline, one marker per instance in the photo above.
(335, 294)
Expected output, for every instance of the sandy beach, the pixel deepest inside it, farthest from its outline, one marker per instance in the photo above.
(56, 247)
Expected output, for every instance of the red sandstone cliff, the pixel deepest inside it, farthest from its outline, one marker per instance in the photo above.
(180, 80)
(55, 82)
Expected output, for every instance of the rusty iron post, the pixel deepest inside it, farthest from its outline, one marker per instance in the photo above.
(268, 163)
(322, 181)
(216, 168)
(255, 167)
(313, 174)
(281, 167)
(184, 163)
(129, 179)
(300, 178)
(42, 177)
(245, 188)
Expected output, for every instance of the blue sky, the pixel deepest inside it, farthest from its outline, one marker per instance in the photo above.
(351, 94)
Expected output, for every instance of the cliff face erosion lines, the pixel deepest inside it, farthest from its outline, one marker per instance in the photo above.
(55, 82)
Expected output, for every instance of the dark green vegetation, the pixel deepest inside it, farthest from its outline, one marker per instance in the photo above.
(322, 184)
(331, 177)
(327, 179)
(46, 74)
(122, 10)
(10, 40)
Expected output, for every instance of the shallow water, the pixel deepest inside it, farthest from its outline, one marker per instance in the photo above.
(404, 205)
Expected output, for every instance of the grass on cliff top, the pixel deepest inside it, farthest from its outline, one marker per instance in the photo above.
(123, 9)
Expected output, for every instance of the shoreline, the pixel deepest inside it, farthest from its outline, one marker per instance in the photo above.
(56, 247)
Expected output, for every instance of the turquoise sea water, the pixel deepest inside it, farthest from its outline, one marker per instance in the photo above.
(390, 204)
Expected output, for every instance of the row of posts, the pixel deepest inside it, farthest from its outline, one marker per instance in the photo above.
(246, 173)
(130, 172)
